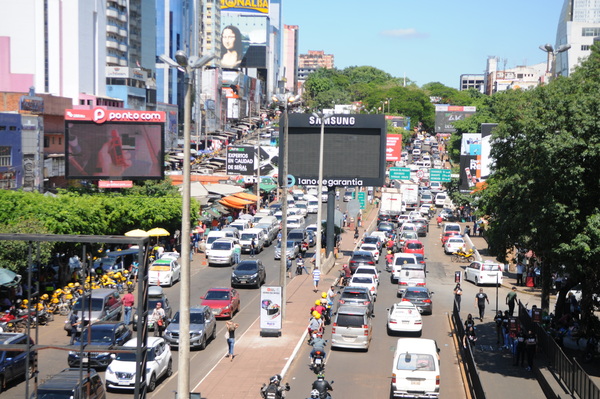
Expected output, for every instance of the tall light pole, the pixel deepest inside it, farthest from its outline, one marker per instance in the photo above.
(551, 60)
(187, 65)
(285, 99)
(388, 101)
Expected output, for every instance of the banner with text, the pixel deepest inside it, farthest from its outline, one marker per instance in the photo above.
(240, 160)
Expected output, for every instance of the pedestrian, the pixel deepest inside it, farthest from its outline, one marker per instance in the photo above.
(252, 247)
(158, 319)
(359, 218)
(356, 234)
(511, 300)
(470, 322)
(530, 348)
(316, 277)
(230, 335)
(128, 302)
(74, 321)
(288, 266)
(520, 271)
(480, 299)
(467, 231)
(499, 332)
(469, 336)
(457, 296)
(237, 252)
(520, 350)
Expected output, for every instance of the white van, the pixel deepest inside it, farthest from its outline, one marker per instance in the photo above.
(440, 199)
(313, 205)
(488, 272)
(451, 227)
(240, 224)
(416, 369)
(212, 237)
(246, 239)
(399, 259)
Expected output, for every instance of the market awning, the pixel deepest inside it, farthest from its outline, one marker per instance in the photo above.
(231, 205)
(267, 188)
(223, 189)
(246, 196)
(212, 212)
(237, 201)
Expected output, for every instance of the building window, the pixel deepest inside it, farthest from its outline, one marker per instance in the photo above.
(5, 158)
(46, 142)
(590, 31)
(585, 47)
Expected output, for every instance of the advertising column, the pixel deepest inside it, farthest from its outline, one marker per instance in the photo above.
(270, 311)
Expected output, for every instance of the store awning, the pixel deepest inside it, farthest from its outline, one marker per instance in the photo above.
(267, 188)
(236, 201)
(231, 205)
(223, 189)
(246, 196)
(213, 212)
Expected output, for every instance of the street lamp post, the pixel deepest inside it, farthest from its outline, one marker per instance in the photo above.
(187, 65)
(551, 60)
(388, 101)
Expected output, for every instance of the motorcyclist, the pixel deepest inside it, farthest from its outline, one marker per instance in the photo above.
(389, 258)
(327, 302)
(323, 387)
(439, 219)
(318, 307)
(315, 324)
(318, 344)
(347, 274)
(274, 390)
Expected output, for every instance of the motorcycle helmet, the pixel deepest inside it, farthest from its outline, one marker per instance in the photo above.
(25, 301)
(323, 295)
(389, 252)
(71, 285)
(315, 313)
(318, 302)
(54, 300)
(318, 316)
(44, 297)
(314, 394)
(321, 376)
(77, 284)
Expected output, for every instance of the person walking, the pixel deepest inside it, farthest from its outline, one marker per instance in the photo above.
(230, 335)
(499, 332)
(356, 234)
(158, 319)
(520, 350)
(252, 247)
(237, 252)
(511, 300)
(480, 299)
(316, 277)
(74, 321)
(457, 296)
(520, 271)
(128, 302)
(530, 348)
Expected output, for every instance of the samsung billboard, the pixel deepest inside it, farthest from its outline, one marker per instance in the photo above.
(353, 152)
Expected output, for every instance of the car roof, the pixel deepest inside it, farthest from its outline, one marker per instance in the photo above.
(355, 289)
(415, 289)
(6, 338)
(199, 309)
(152, 341)
(66, 380)
(416, 344)
(162, 261)
(246, 261)
(351, 309)
(361, 253)
(155, 290)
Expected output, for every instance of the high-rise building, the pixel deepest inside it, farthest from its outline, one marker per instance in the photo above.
(290, 57)
(472, 81)
(578, 25)
(316, 59)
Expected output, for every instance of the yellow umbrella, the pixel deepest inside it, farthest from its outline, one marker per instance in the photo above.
(137, 233)
(158, 232)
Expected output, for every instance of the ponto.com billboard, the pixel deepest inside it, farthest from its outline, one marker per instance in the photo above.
(114, 144)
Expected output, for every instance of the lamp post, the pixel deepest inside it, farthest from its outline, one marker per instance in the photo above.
(187, 65)
(551, 60)
(285, 99)
(322, 117)
(388, 101)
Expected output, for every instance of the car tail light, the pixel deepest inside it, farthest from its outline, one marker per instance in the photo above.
(371, 262)
(392, 321)
(402, 283)
(352, 261)
(318, 353)
(366, 328)
(427, 300)
(418, 322)
(437, 380)
(342, 301)
(405, 300)
(366, 302)
(420, 284)
(394, 378)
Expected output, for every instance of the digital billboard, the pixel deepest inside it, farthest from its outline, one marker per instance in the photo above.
(470, 144)
(243, 41)
(240, 160)
(446, 115)
(354, 149)
(114, 144)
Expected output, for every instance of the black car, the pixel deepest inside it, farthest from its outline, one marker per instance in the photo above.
(420, 297)
(385, 217)
(249, 272)
(13, 364)
(70, 382)
(105, 334)
(360, 258)
(373, 240)
(387, 227)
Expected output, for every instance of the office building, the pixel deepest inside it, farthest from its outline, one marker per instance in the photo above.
(472, 81)
(290, 58)
(316, 59)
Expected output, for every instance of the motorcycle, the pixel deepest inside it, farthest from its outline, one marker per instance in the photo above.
(299, 266)
(274, 390)
(318, 362)
(320, 394)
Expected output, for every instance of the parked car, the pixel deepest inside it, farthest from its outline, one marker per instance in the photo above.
(155, 295)
(69, 383)
(420, 297)
(164, 272)
(416, 368)
(359, 258)
(13, 363)
(203, 328)
(98, 305)
(487, 272)
(404, 317)
(223, 302)
(249, 272)
(103, 334)
(159, 363)
(357, 296)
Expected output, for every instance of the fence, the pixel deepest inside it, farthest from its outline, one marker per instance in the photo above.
(467, 356)
(569, 371)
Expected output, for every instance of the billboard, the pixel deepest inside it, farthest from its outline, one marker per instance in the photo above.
(240, 160)
(469, 172)
(445, 115)
(470, 144)
(255, 6)
(393, 147)
(243, 41)
(353, 152)
(114, 144)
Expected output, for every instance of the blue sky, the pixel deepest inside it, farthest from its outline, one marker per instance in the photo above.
(428, 40)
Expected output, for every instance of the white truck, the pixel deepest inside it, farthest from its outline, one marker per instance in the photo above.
(410, 195)
(391, 201)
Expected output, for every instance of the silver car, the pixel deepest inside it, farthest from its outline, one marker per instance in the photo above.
(422, 226)
(292, 249)
(203, 328)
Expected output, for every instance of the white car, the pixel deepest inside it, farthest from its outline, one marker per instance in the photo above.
(121, 372)
(424, 210)
(407, 226)
(295, 222)
(365, 269)
(364, 280)
(164, 272)
(404, 317)
(416, 368)
(454, 244)
(372, 248)
(221, 252)
(414, 215)
(170, 255)
(487, 272)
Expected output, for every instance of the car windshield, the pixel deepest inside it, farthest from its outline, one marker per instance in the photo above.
(365, 271)
(55, 394)
(247, 236)
(153, 301)
(361, 257)
(246, 266)
(414, 245)
(130, 356)
(212, 239)
(401, 261)
(456, 241)
(196, 318)
(221, 246)
(368, 247)
(350, 320)
(490, 268)
(362, 280)
(414, 361)
(84, 304)
(295, 236)
(371, 240)
(349, 295)
(290, 244)
(416, 294)
(217, 295)
(99, 335)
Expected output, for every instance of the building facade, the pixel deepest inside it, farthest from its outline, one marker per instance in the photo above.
(316, 59)
(290, 57)
(472, 81)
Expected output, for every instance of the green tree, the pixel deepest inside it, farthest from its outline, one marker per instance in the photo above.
(13, 254)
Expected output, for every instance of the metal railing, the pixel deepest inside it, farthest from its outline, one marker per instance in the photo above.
(475, 386)
(569, 371)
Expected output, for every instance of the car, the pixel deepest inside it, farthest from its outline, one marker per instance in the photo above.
(412, 215)
(12, 363)
(292, 249)
(416, 152)
(253, 234)
(449, 234)
(312, 238)
(413, 247)
(401, 219)
(427, 198)
(348, 195)
(364, 280)
(385, 217)
(102, 334)
(303, 207)
(164, 272)
(371, 248)
(352, 328)
(170, 255)
(312, 227)
(422, 226)
(408, 226)
(420, 297)
(487, 272)
(411, 276)
(159, 363)
(221, 252)
(300, 236)
(404, 317)
(249, 272)
(407, 235)
(381, 235)
(203, 328)
(416, 369)
(105, 304)
(359, 258)
(454, 244)
(424, 210)
(369, 270)
(155, 295)
(295, 222)
(357, 296)
(373, 240)
(447, 226)
(387, 227)
(223, 302)
(401, 259)
(447, 214)
(69, 383)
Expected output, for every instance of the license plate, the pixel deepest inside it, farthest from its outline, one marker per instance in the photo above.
(349, 336)
(415, 382)
(123, 382)
(405, 321)
(318, 361)
(85, 360)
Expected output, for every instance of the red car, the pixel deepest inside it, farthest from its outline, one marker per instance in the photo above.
(224, 302)
(449, 234)
(414, 247)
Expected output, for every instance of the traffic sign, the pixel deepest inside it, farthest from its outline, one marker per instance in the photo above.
(400, 173)
(442, 175)
(362, 199)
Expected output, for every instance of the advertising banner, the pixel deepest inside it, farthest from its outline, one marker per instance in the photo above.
(270, 309)
(240, 160)
(393, 147)
(249, 6)
(470, 144)
(243, 41)
(469, 170)
(446, 115)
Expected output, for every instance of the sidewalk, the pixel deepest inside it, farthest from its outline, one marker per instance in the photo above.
(258, 358)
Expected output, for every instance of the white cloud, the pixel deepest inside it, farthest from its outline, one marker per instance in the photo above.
(410, 33)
